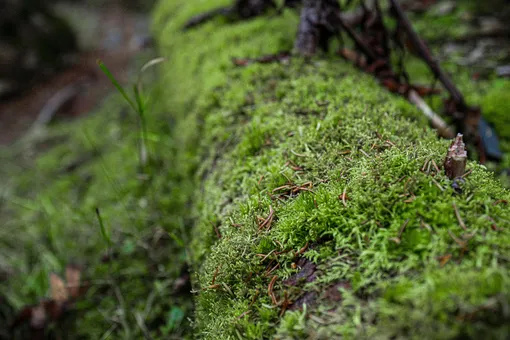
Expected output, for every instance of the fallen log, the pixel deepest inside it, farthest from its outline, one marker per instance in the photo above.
(335, 218)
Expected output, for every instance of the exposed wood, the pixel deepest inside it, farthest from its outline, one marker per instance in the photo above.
(456, 158)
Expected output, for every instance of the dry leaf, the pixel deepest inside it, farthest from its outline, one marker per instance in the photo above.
(58, 289)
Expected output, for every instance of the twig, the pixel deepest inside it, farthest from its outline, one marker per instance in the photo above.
(436, 121)
(302, 250)
(402, 228)
(467, 173)
(270, 289)
(357, 40)
(461, 243)
(343, 197)
(272, 270)
(435, 166)
(264, 257)
(437, 184)
(216, 230)
(254, 298)
(243, 314)
(457, 214)
(267, 222)
(424, 52)
(215, 274)
(52, 106)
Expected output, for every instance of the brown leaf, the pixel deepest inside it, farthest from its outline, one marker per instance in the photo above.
(38, 316)
(58, 289)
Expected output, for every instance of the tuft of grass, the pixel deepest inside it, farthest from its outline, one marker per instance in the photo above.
(139, 104)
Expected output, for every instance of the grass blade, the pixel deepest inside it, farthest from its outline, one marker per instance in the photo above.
(115, 83)
(104, 233)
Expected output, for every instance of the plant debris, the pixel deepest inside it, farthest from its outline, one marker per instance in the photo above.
(282, 57)
(367, 28)
(63, 294)
(306, 273)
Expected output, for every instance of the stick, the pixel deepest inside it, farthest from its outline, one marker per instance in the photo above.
(439, 124)
(424, 52)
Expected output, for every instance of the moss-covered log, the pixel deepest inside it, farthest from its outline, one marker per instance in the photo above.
(319, 211)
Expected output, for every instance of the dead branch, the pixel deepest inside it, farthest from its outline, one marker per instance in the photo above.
(436, 121)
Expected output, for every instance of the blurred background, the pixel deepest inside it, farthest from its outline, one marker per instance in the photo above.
(48, 52)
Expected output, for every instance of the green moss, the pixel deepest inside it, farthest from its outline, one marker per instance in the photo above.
(253, 130)
(232, 145)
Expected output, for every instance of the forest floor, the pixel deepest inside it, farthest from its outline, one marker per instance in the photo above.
(76, 200)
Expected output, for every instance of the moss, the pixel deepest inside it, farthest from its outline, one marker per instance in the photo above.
(258, 133)
(361, 240)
